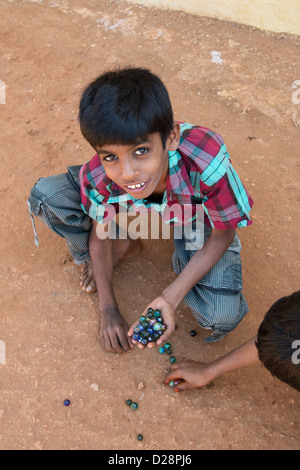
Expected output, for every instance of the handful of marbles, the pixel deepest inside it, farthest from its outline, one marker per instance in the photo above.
(150, 327)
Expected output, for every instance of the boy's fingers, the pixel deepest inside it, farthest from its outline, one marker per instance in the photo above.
(114, 342)
(116, 346)
(124, 341)
(164, 337)
(106, 342)
(173, 374)
(182, 386)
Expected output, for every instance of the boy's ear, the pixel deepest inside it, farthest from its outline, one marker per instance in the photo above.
(174, 137)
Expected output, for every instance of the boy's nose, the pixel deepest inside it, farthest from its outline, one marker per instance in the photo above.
(129, 173)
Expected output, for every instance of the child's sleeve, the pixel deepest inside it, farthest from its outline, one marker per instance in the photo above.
(226, 201)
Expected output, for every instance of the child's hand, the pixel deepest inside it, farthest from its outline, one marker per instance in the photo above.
(168, 315)
(114, 332)
(193, 375)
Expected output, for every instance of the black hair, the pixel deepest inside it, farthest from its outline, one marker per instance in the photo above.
(124, 105)
(277, 338)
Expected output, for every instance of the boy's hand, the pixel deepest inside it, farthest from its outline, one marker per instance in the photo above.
(114, 332)
(193, 375)
(168, 315)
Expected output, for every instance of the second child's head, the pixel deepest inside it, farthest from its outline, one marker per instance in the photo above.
(278, 340)
(126, 116)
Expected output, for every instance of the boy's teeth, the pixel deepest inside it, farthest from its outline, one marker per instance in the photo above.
(135, 186)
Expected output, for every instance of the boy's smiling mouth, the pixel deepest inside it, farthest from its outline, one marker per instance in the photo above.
(137, 187)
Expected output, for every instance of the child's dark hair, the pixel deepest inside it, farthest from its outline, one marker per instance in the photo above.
(276, 335)
(125, 105)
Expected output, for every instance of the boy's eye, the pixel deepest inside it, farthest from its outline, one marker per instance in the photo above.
(141, 151)
(109, 158)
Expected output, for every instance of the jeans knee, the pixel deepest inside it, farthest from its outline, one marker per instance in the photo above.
(48, 189)
(36, 198)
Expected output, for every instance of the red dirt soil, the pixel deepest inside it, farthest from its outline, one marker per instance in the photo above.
(49, 52)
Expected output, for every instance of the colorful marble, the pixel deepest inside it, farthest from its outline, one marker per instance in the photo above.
(136, 337)
(138, 328)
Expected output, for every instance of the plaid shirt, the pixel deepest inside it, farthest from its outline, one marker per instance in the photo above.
(200, 171)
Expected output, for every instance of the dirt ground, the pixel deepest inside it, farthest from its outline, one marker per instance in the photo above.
(232, 78)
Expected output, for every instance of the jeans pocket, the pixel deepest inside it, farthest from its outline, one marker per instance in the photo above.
(226, 275)
(232, 278)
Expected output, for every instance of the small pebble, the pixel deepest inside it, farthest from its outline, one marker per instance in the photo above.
(134, 405)
(67, 402)
(128, 402)
(193, 333)
(140, 437)
(140, 386)
(172, 359)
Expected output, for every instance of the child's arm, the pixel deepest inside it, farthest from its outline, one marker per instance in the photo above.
(114, 329)
(197, 374)
(199, 265)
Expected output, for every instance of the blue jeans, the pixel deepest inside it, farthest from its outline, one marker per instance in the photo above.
(56, 201)
(216, 301)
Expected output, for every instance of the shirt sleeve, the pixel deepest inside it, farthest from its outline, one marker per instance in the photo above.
(227, 203)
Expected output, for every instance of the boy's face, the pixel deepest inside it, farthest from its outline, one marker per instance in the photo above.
(140, 169)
